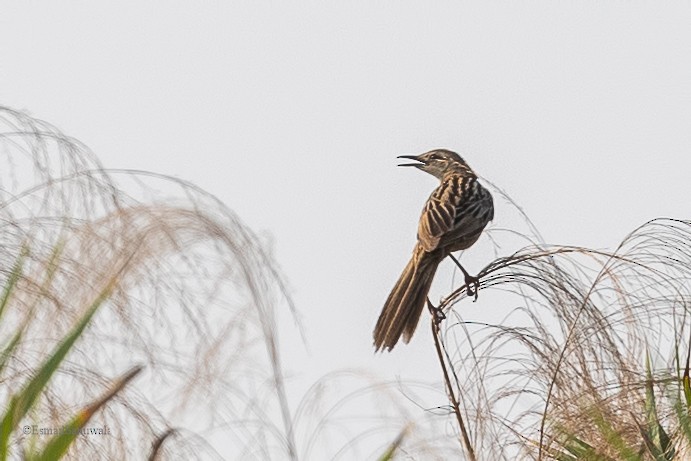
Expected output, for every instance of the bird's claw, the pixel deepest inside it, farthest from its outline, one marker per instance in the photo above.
(437, 313)
(472, 283)
(472, 286)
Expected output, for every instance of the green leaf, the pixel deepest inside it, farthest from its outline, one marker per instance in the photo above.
(12, 280)
(9, 348)
(684, 420)
(613, 437)
(654, 435)
(21, 402)
(582, 450)
(58, 445)
(685, 378)
(578, 450)
(7, 291)
(391, 451)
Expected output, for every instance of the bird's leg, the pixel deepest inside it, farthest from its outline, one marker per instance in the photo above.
(472, 283)
(437, 314)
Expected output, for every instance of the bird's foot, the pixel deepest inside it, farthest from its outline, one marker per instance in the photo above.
(437, 314)
(472, 285)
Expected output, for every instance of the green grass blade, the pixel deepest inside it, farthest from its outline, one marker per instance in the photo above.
(682, 412)
(574, 448)
(561, 456)
(21, 403)
(654, 435)
(7, 291)
(582, 450)
(14, 277)
(393, 448)
(685, 378)
(9, 349)
(58, 445)
(614, 438)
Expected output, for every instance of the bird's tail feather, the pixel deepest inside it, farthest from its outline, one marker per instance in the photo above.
(405, 303)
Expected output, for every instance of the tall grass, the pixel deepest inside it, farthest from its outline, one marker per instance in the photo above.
(590, 364)
(141, 303)
(191, 301)
(181, 354)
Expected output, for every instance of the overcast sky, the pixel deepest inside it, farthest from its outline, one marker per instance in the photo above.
(293, 113)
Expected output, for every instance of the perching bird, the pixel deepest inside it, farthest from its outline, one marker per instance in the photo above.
(453, 218)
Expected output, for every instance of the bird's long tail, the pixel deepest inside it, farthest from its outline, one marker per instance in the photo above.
(405, 303)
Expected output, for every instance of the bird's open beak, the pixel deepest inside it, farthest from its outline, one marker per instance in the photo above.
(411, 157)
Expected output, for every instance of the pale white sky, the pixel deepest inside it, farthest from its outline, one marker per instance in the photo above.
(293, 113)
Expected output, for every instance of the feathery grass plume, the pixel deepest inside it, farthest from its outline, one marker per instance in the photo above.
(193, 302)
(565, 375)
(588, 366)
(350, 414)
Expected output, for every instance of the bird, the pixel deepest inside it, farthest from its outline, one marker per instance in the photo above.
(452, 219)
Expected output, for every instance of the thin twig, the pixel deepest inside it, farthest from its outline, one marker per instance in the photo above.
(465, 440)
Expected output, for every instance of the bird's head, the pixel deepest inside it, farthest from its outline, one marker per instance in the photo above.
(437, 162)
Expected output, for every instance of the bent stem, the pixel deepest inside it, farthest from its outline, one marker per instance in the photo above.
(465, 440)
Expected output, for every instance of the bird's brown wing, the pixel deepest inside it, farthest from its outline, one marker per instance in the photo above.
(438, 216)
